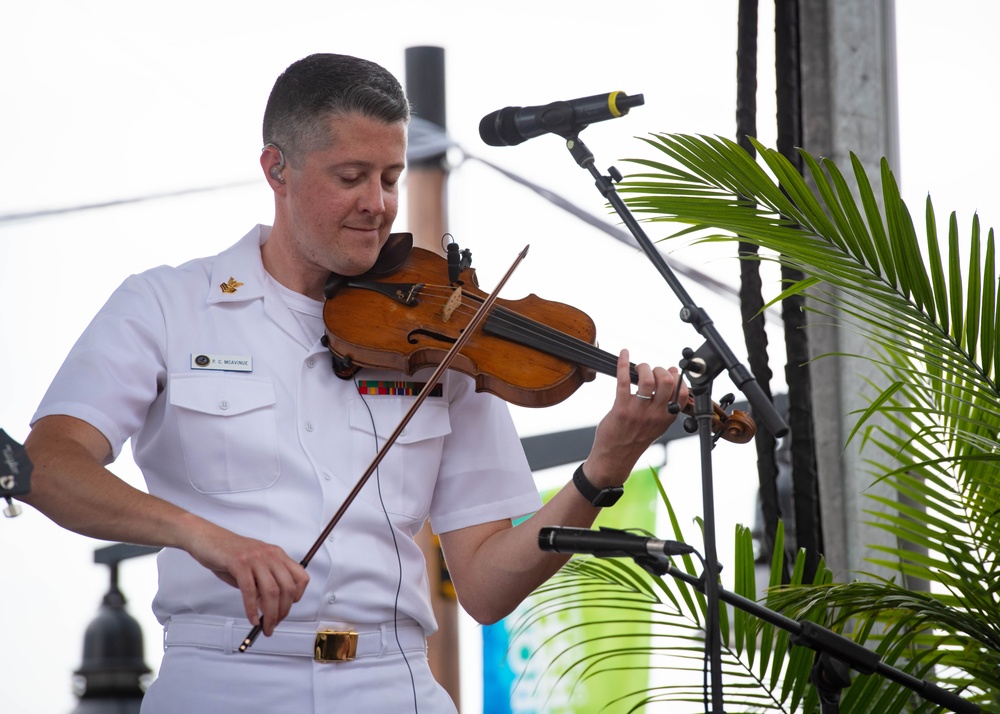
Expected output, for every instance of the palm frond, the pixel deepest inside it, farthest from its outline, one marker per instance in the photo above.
(658, 623)
(929, 311)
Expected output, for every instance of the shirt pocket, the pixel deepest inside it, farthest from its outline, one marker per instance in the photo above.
(228, 432)
(405, 479)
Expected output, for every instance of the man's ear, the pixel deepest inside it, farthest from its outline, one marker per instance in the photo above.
(272, 160)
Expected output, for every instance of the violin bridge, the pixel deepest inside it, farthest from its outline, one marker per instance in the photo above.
(454, 300)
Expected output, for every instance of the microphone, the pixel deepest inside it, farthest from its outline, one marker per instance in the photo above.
(512, 125)
(607, 543)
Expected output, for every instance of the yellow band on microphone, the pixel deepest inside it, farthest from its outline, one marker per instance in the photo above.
(613, 104)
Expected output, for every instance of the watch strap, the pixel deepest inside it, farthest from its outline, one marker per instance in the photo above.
(598, 497)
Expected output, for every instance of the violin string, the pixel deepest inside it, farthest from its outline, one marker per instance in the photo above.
(544, 337)
(539, 335)
(560, 344)
(547, 339)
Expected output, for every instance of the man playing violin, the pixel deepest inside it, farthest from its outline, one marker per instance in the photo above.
(248, 442)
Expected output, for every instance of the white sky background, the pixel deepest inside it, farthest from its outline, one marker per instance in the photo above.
(114, 100)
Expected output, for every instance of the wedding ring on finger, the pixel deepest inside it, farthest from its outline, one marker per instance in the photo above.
(643, 396)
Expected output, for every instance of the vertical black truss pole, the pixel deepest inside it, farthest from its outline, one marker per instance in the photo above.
(805, 482)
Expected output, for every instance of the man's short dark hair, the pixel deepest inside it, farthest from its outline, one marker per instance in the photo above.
(319, 86)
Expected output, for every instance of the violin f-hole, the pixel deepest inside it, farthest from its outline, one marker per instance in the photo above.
(413, 337)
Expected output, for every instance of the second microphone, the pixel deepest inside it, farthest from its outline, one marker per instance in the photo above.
(607, 543)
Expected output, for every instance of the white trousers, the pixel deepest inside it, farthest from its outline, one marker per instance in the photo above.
(194, 679)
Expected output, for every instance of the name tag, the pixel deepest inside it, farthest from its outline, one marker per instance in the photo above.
(225, 363)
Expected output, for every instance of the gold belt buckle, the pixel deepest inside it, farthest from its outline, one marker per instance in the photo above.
(335, 646)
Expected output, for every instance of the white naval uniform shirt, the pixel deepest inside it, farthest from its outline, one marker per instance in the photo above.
(272, 453)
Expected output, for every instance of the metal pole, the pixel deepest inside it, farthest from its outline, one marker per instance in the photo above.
(426, 194)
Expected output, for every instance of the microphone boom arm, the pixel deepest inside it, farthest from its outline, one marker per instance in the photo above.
(833, 650)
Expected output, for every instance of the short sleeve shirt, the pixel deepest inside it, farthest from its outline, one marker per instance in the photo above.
(236, 415)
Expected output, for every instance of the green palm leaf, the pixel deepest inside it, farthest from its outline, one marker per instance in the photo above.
(762, 671)
(931, 318)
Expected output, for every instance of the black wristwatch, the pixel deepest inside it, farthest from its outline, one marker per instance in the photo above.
(601, 498)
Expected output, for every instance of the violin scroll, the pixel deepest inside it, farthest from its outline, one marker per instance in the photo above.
(736, 427)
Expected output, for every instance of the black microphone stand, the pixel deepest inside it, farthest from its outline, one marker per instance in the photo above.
(701, 366)
(835, 654)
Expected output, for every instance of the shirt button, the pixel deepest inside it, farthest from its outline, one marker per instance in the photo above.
(310, 363)
(327, 476)
(223, 405)
(309, 426)
(331, 598)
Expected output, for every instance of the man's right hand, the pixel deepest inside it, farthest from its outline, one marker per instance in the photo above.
(71, 486)
(268, 579)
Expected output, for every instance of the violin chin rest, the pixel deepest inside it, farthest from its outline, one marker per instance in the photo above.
(394, 253)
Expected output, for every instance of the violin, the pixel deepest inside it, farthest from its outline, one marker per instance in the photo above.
(412, 305)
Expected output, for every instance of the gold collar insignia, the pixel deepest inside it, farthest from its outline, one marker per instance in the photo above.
(230, 285)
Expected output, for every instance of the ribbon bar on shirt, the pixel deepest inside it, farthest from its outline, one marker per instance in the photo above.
(409, 389)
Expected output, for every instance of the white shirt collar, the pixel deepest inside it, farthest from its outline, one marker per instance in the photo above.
(238, 272)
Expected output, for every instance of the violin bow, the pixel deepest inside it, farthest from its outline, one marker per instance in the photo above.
(432, 381)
